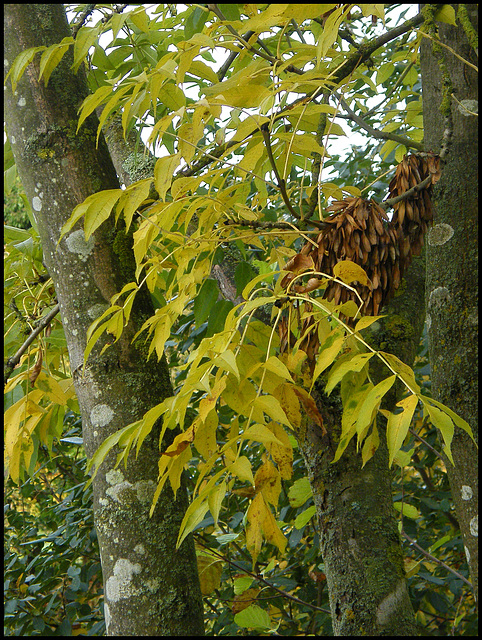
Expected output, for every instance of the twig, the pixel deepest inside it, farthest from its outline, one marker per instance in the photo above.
(434, 559)
(14, 360)
(267, 56)
(257, 224)
(263, 580)
(381, 135)
(407, 194)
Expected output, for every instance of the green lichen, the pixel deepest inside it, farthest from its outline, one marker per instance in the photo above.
(398, 328)
(467, 26)
(139, 166)
(429, 12)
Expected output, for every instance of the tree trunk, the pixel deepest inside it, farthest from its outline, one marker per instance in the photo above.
(359, 537)
(150, 588)
(452, 260)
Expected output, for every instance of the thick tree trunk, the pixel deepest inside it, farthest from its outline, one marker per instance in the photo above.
(359, 537)
(150, 588)
(452, 260)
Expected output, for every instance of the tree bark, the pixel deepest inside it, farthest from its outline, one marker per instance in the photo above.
(452, 258)
(359, 538)
(150, 588)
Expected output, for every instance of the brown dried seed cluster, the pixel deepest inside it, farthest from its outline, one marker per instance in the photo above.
(359, 230)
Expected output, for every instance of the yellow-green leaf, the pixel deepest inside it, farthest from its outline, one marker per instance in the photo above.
(163, 173)
(20, 63)
(100, 207)
(398, 425)
(328, 352)
(52, 56)
(370, 405)
(340, 370)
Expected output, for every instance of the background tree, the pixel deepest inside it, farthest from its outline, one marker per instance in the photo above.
(452, 253)
(236, 380)
(58, 171)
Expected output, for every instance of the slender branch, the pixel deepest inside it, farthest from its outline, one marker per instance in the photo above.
(281, 183)
(267, 56)
(408, 194)
(381, 135)
(260, 578)
(434, 559)
(232, 56)
(257, 224)
(14, 360)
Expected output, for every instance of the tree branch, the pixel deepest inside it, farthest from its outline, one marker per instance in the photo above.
(434, 559)
(14, 360)
(380, 135)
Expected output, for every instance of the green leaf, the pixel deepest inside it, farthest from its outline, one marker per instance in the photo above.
(218, 316)
(446, 13)
(253, 617)
(85, 39)
(195, 22)
(299, 492)
(205, 300)
(243, 274)
(407, 510)
(303, 518)
(229, 11)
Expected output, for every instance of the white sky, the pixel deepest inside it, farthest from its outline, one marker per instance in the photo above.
(337, 145)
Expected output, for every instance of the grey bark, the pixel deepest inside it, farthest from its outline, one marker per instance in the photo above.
(452, 261)
(150, 588)
(359, 538)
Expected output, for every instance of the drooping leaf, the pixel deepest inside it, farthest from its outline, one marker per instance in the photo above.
(398, 425)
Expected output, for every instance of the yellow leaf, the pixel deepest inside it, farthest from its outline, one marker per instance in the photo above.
(371, 404)
(241, 468)
(339, 371)
(205, 441)
(271, 406)
(210, 569)
(275, 365)
(272, 532)
(255, 517)
(281, 454)
(215, 500)
(268, 481)
(370, 445)
(443, 422)
(289, 403)
(260, 433)
(348, 271)
(163, 173)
